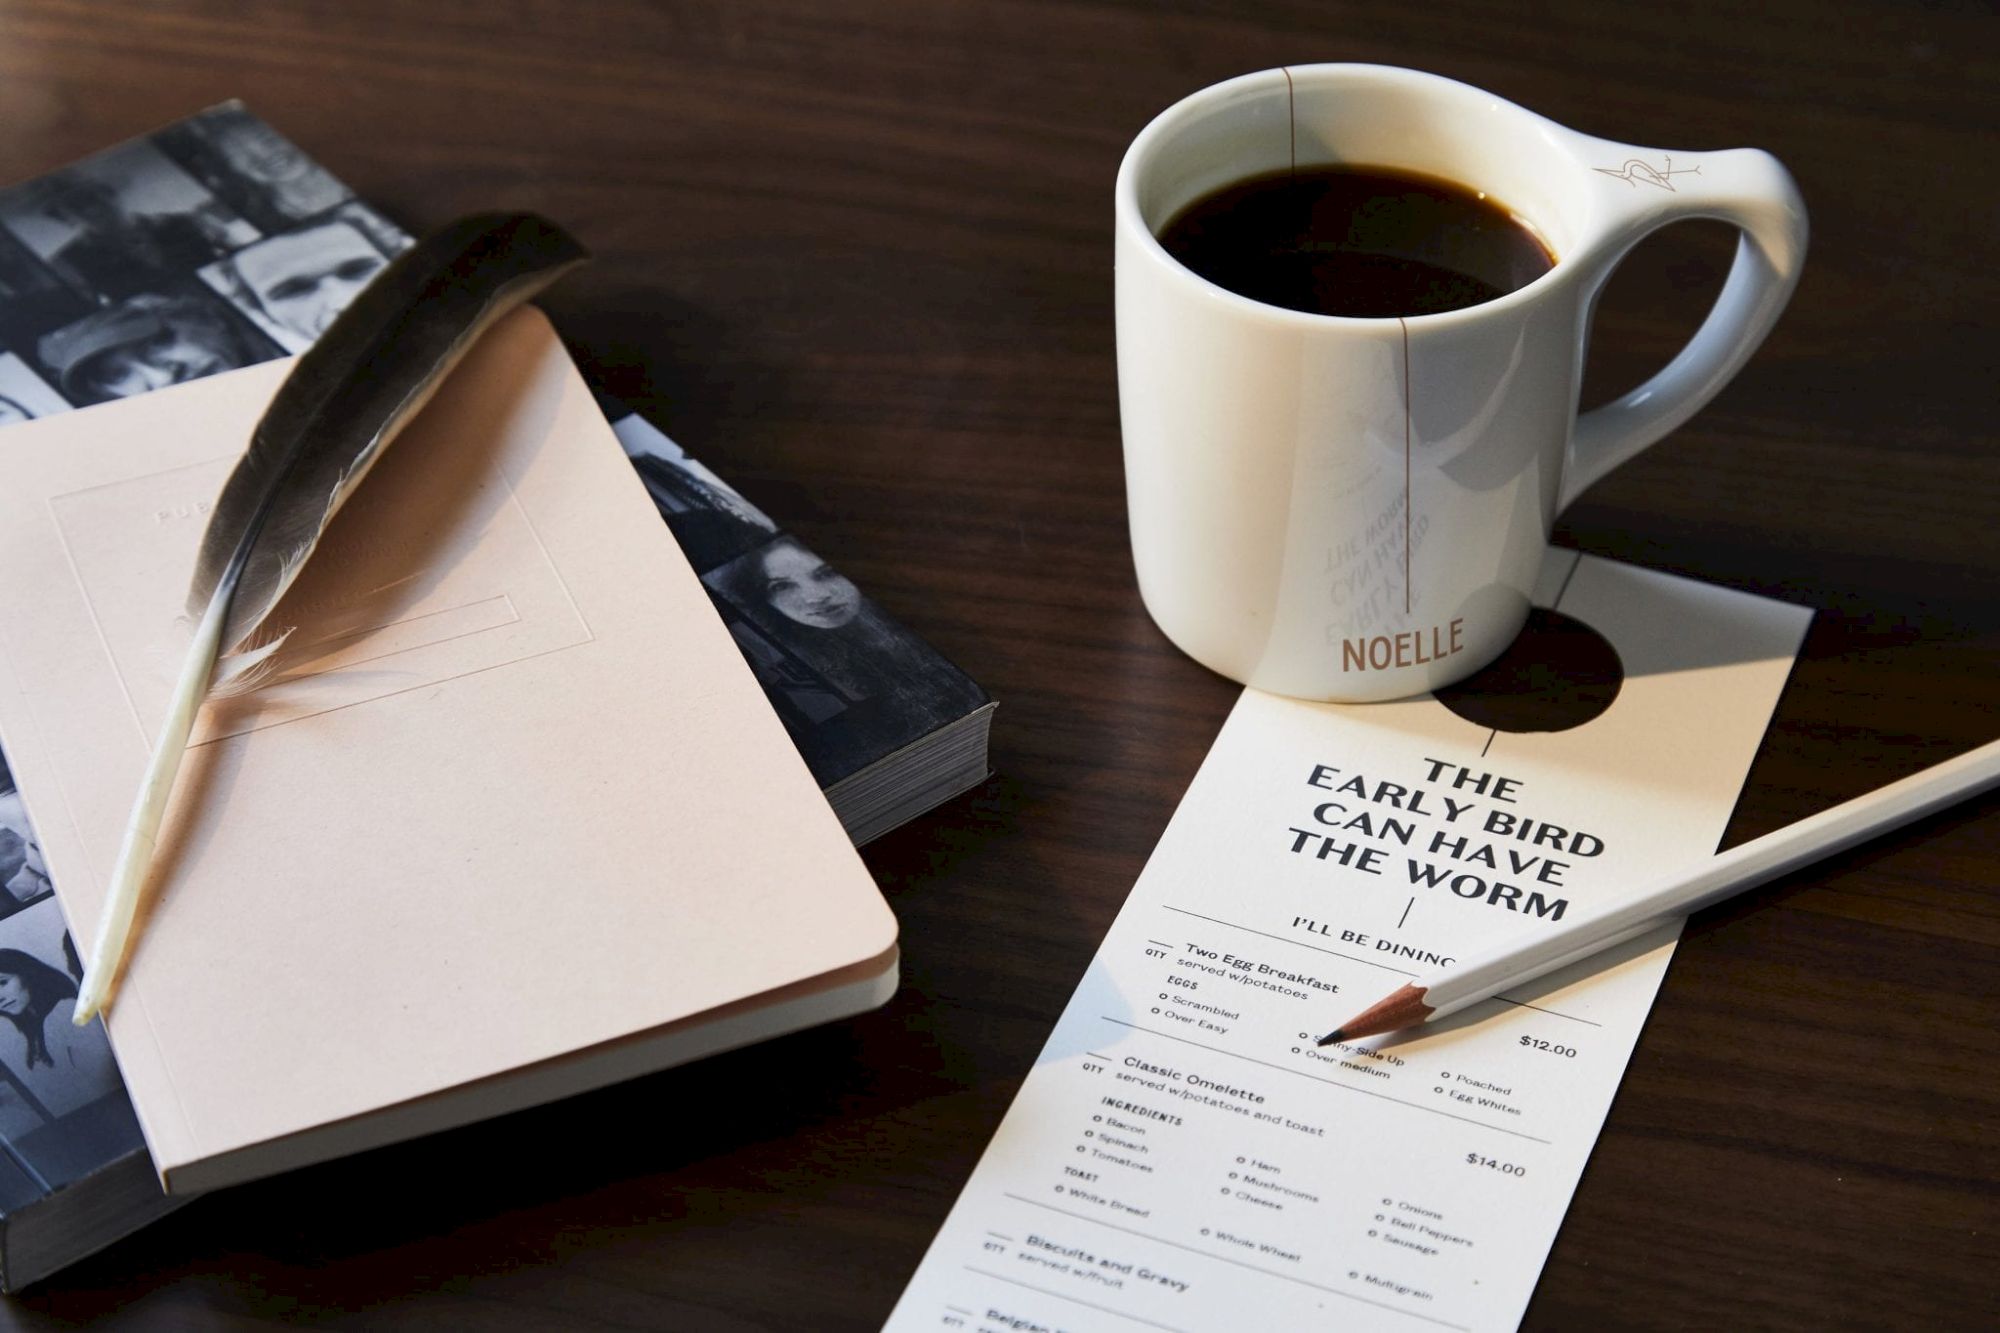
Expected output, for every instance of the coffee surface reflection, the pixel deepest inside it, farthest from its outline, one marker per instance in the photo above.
(1362, 242)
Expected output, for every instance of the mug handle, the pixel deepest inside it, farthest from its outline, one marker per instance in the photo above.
(1746, 187)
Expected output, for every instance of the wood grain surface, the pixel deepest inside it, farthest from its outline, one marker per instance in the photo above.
(858, 257)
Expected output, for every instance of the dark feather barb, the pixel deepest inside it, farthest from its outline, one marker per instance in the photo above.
(352, 390)
(345, 399)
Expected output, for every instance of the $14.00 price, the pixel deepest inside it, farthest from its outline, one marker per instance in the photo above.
(1504, 1168)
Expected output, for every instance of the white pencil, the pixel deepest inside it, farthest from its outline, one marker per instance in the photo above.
(1490, 971)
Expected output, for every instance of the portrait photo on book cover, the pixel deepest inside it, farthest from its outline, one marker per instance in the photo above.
(257, 171)
(710, 519)
(24, 876)
(50, 1069)
(149, 341)
(24, 395)
(292, 284)
(122, 222)
(33, 299)
(892, 686)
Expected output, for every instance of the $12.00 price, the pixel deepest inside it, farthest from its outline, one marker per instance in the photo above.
(1504, 1168)
(1537, 1044)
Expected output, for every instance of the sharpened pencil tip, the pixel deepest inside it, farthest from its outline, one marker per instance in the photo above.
(1330, 1038)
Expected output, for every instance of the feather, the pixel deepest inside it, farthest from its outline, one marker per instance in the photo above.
(343, 402)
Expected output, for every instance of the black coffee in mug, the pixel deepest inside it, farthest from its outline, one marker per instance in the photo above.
(1365, 242)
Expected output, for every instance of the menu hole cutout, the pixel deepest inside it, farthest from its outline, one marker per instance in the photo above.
(1559, 673)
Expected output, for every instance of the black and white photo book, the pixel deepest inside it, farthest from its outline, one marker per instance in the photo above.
(74, 1171)
(216, 243)
(887, 725)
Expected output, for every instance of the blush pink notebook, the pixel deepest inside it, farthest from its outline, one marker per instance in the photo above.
(518, 822)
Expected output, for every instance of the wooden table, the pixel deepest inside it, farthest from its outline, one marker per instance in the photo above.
(858, 257)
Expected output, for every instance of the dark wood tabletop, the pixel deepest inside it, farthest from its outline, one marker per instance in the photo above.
(858, 257)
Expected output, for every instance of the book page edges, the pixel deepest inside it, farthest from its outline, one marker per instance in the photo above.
(855, 989)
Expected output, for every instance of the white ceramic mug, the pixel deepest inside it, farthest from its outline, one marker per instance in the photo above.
(1356, 509)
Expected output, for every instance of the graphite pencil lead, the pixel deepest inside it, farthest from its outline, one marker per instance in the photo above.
(1405, 1008)
(1330, 1038)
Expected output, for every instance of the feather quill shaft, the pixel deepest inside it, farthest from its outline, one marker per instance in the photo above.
(342, 403)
